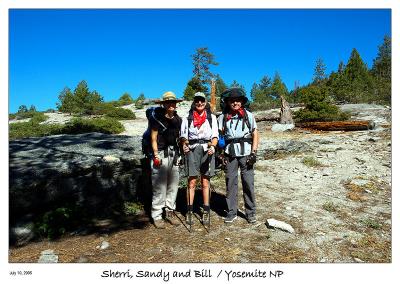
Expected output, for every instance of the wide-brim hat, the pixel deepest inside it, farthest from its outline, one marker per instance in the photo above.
(168, 97)
(234, 93)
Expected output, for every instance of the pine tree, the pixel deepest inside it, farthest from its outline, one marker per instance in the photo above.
(381, 71)
(193, 86)
(220, 85)
(319, 71)
(202, 59)
(236, 84)
(278, 88)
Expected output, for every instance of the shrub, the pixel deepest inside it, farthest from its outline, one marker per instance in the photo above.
(120, 113)
(32, 128)
(311, 162)
(102, 125)
(132, 208)
(57, 222)
(317, 107)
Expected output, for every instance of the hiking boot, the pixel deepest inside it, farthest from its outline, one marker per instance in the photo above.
(230, 218)
(189, 218)
(159, 224)
(251, 218)
(171, 218)
(206, 218)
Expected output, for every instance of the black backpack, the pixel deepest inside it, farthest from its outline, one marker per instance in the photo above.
(147, 150)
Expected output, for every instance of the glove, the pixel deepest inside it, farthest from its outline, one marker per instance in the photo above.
(252, 159)
(224, 160)
(156, 162)
(211, 150)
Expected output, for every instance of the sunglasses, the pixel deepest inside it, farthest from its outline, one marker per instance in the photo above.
(199, 100)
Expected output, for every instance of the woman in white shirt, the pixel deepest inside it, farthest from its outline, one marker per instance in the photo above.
(199, 136)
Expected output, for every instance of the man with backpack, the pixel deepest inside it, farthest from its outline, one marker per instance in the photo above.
(238, 127)
(164, 127)
(199, 137)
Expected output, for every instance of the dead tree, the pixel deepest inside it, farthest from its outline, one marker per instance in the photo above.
(286, 112)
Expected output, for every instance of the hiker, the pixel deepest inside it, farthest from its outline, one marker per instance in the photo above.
(165, 129)
(199, 137)
(239, 129)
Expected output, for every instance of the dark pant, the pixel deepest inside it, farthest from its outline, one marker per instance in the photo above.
(231, 178)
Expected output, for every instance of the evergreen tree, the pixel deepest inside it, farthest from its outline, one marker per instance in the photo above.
(381, 71)
(278, 88)
(202, 59)
(22, 109)
(32, 108)
(382, 63)
(317, 106)
(67, 102)
(220, 85)
(319, 71)
(265, 83)
(341, 67)
(126, 99)
(193, 86)
(139, 101)
(236, 84)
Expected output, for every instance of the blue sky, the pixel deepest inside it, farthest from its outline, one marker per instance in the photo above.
(148, 51)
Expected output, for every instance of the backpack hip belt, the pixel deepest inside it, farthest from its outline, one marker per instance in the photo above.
(241, 140)
(198, 141)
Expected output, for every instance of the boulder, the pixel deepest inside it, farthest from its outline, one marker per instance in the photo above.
(94, 171)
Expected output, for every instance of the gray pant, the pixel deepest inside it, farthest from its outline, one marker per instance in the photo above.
(231, 178)
(165, 181)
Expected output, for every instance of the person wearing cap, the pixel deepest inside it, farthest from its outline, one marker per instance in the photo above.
(238, 126)
(199, 137)
(165, 169)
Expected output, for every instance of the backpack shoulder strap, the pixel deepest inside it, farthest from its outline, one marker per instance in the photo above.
(246, 120)
(153, 116)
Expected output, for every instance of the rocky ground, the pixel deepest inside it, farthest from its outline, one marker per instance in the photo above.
(333, 188)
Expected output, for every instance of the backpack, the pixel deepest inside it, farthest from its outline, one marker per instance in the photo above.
(147, 150)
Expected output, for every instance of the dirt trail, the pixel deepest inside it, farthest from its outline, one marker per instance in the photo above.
(339, 206)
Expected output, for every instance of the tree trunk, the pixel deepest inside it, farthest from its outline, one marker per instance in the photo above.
(213, 100)
(286, 112)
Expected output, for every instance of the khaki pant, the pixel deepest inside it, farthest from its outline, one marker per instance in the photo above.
(165, 181)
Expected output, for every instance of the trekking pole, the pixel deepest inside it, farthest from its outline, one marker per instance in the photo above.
(188, 191)
(209, 187)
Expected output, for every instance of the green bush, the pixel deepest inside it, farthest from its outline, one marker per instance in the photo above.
(102, 125)
(32, 128)
(76, 126)
(120, 113)
(57, 222)
(318, 107)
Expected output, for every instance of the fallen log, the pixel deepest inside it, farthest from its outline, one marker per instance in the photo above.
(268, 117)
(338, 125)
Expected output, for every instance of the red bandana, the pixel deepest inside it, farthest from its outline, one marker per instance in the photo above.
(198, 119)
(239, 112)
